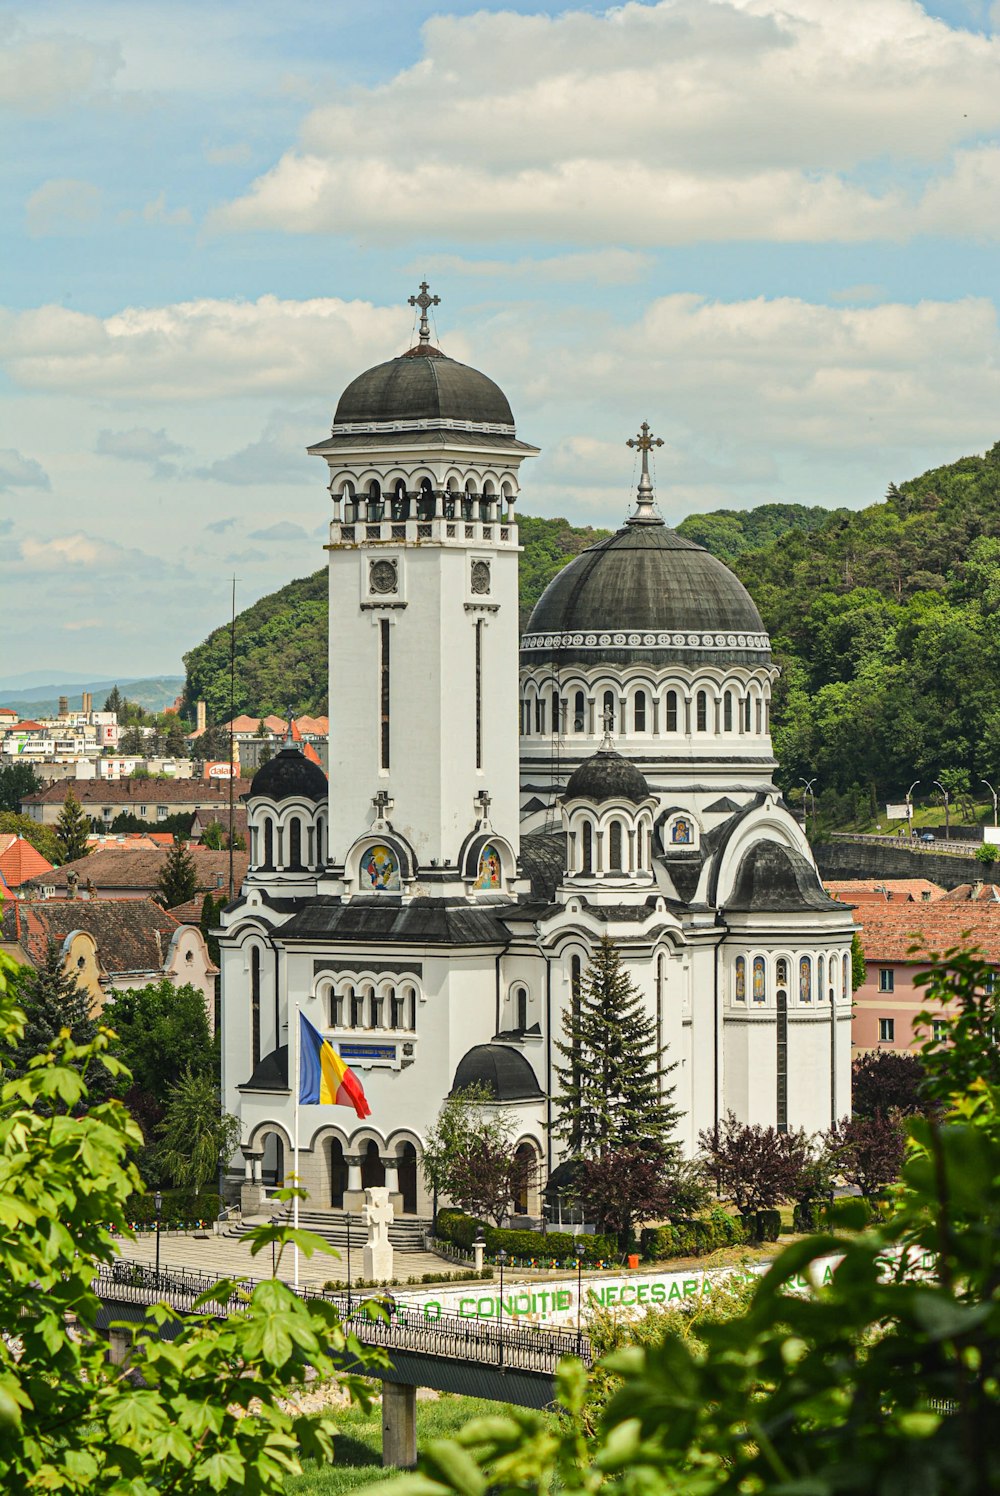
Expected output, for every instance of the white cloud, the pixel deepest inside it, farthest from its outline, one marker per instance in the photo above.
(140, 444)
(157, 211)
(201, 350)
(76, 625)
(283, 530)
(89, 553)
(220, 526)
(609, 267)
(17, 471)
(62, 206)
(45, 75)
(647, 124)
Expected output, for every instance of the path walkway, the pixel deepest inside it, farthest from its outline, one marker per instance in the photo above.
(225, 1256)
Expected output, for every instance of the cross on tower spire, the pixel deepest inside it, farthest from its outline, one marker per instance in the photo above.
(645, 442)
(424, 302)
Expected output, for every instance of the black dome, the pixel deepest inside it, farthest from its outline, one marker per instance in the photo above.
(646, 592)
(607, 776)
(423, 385)
(287, 775)
(504, 1071)
(772, 878)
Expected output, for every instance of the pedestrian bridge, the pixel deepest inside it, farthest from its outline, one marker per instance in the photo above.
(497, 1360)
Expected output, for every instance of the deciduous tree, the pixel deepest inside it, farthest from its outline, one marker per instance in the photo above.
(195, 1133)
(868, 1151)
(623, 1189)
(886, 1080)
(17, 781)
(755, 1167)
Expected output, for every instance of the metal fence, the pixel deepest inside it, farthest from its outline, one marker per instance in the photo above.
(404, 1326)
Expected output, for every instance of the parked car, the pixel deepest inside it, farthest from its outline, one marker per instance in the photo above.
(927, 836)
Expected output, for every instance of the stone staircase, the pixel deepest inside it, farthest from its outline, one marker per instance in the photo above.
(406, 1232)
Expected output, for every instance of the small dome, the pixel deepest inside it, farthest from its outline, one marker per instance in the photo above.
(289, 774)
(271, 1072)
(646, 593)
(504, 1071)
(775, 879)
(607, 776)
(426, 386)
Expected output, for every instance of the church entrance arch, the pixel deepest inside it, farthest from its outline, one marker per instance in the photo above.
(338, 1172)
(273, 1161)
(406, 1174)
(527, 1167)
(372, 1168)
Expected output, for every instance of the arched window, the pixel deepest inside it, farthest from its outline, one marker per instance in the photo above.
(702, 711)
(357, 1007)
(639, 714)
(336, 1009)
(520, 1009)
(746, 715)
(805, 980)
(375, 1011)
(847, 977)
(295, 844)
(395, 1008)
(575, 991)
(608, 712)
(781, 1065)
(588, 848)
(671, 711)
(555, 711)
(321, 841)
(760, 718)
(781, 972)
(820, 977)
(615, 847)
(727, 712)
(255, 1003)
(759, 980)
(269, 843)
(579, 712)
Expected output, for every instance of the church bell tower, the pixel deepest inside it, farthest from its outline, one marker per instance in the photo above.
(423, 459)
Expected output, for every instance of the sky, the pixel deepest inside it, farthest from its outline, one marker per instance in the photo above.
(768, 227)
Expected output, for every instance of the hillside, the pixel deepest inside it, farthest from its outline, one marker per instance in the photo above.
(727, 533)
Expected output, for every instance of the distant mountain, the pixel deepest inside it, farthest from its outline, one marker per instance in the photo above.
(154, 693)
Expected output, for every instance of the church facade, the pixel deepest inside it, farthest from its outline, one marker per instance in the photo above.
(495, 806)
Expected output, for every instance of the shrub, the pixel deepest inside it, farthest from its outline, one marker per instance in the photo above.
(987, 853)
(695, 1238)
(460, 1229)
(768, 1225)
(180, 1208)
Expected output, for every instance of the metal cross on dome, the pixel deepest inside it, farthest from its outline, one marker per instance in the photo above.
(424, 302)
(645, 442)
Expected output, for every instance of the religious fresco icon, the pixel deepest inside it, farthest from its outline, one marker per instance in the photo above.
(805, 980)
(380, 869)
(758, 979)
(682, 832)
(741, 979)
(489, 872)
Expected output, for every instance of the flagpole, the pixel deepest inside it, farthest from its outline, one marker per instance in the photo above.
(295, 1137)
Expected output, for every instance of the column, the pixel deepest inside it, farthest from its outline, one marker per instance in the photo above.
(390, 1164)
(399, 1425)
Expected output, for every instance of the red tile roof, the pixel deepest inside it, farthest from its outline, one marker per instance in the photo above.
(849, 888)
(129, 792)
(986, 893)
(888, 931)
(20, 861)
(116, 872)
(132, 935)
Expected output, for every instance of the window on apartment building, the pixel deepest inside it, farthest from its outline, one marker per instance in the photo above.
(162, 812)
(887, 1030)
(886, 980)
(143, 809)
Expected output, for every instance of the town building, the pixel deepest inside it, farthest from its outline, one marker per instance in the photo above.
(150, 799)
(19, 861)
(118, 872)
(433, 908)
(111, 945)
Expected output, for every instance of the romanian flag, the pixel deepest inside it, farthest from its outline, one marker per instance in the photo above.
(323, 1076)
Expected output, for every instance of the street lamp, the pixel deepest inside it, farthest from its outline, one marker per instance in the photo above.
(158, 1207)
(909, 806)
(805, 797)
(348, 1262)
(947, 821)
(579, 1294)
(501, 1259)
(994, 794)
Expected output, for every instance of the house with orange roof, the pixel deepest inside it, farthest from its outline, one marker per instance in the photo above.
(19, 860)
(885, 890)
(896, 937)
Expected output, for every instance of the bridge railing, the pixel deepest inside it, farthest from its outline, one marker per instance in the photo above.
(502, 1342)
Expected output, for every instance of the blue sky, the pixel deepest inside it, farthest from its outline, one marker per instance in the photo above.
(770, 227)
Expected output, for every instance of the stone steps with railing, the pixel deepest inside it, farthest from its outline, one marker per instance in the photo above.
(406, 1234)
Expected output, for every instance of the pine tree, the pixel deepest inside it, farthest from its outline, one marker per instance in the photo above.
(611, 1084)
(72, 829)
(179, 879)
(51, 1001)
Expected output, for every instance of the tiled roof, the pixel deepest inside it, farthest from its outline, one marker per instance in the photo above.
(317, 727)
(310, 753)
(132, 935)
(128, 792)
(984, 893)
(112, 870)
(888, 931)
(20, 861)
(854, 890)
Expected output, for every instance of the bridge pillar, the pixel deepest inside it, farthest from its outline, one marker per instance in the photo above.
(399, 1425)
(119, 1347)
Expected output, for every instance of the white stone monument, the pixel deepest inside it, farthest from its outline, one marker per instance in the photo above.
(377, 1215)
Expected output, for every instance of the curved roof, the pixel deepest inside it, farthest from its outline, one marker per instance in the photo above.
(289, 774)
(773, 878)
(607, 776)
(504, 1071)
(423, 385)
(271, 1073)
(646, 592)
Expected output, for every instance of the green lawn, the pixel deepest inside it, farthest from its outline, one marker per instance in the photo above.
(359, 1446)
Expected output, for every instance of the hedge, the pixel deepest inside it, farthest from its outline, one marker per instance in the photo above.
(180, 1208)
(461, 1230)
(694, 1238)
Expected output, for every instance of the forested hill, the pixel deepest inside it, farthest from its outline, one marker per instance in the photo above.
(886, 623)
(727, 533)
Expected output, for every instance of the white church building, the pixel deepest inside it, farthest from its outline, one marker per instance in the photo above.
(495, 806)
